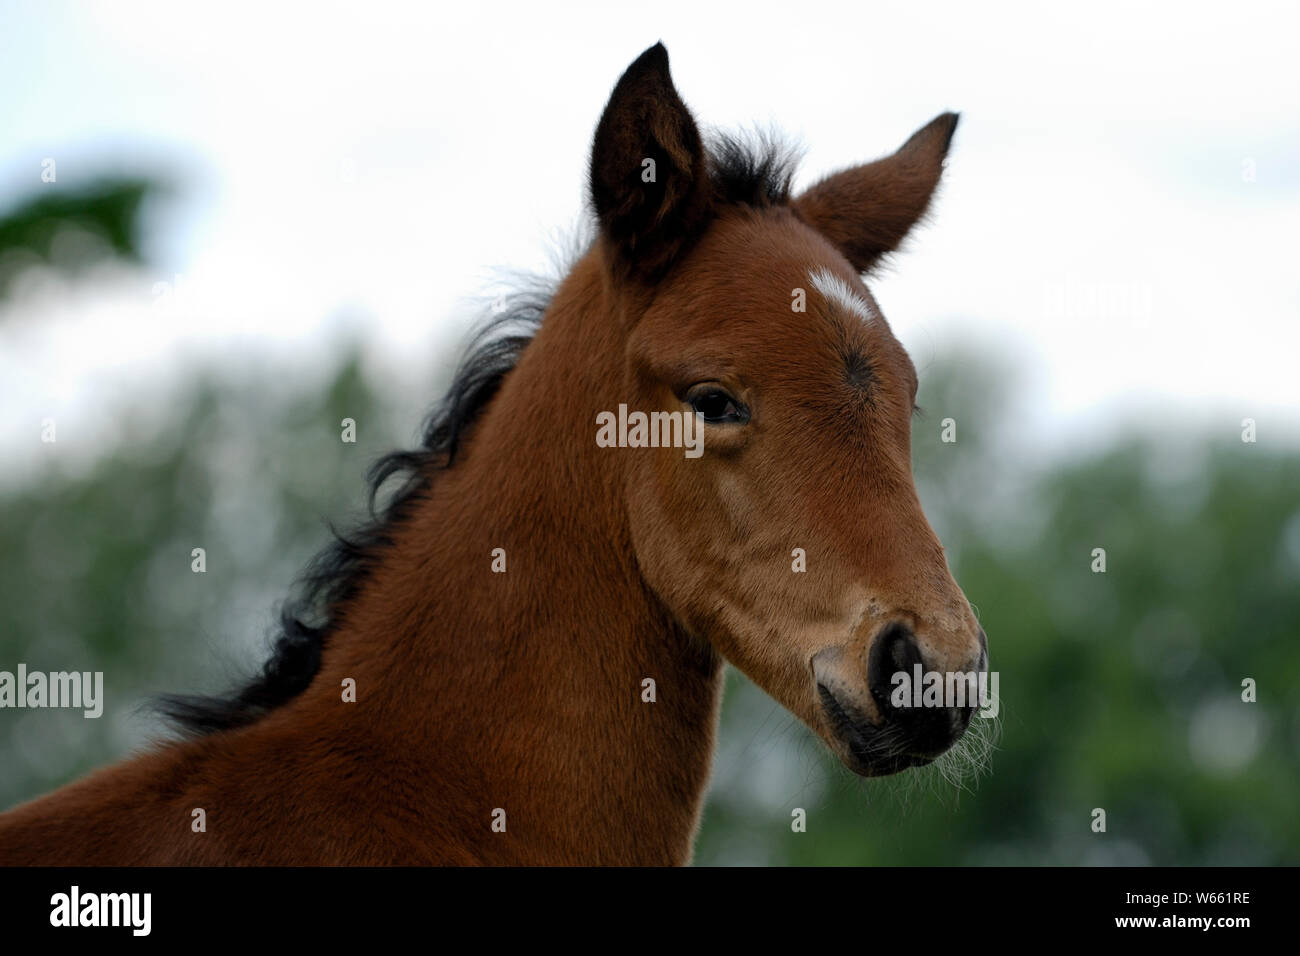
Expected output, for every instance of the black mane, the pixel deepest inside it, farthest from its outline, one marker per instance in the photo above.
(335, 575)
(754, 174)
(753, 171)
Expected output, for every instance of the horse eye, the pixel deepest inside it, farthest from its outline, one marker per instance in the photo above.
(717, 407)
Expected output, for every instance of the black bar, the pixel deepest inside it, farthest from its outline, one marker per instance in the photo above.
(940, 906)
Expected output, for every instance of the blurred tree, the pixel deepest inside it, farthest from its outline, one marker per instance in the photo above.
(96, 568)
(107, 212)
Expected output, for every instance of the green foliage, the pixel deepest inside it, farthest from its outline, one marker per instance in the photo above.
(107, 212)
(96, 568)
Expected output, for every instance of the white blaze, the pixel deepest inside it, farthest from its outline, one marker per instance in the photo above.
(836, 290)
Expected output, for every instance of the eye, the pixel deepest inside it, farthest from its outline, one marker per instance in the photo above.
(717, 406)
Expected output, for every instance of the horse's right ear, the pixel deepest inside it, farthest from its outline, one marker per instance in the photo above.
(649, 172)
(867, 210)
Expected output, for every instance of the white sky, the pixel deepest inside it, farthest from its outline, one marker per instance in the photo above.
(377, 161)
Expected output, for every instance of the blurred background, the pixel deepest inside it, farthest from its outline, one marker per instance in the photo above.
(224, 230)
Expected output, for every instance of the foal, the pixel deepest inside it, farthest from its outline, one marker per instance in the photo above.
(521, 661)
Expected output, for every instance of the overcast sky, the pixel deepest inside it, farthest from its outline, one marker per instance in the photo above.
(1120, 211)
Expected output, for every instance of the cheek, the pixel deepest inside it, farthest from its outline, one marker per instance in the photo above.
(669, 516)
(737, 507)
(716, 549)
(690, 525)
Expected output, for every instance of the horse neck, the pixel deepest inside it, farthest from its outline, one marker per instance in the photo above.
(523, 690)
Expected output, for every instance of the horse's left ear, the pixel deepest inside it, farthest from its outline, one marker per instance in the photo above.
(649, 172)
(867, 210)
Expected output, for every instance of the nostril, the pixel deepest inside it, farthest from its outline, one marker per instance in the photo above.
(893, 652)
(926, 727)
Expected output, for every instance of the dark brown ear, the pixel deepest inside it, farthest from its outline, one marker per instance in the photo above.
(649, 174)
(867, 210)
